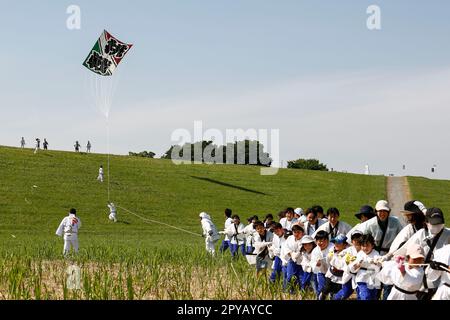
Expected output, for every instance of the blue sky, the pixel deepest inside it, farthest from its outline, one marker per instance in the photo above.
(336, 90)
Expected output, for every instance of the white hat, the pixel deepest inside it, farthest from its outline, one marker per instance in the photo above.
(382, 205)
(298, 211)
(307, 239)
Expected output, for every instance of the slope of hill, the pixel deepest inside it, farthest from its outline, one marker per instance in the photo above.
(433, 193)
(37, 190)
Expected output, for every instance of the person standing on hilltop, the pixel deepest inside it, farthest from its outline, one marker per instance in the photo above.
(68, 228)
(22, 143)
(45, 144)
(100, 174)
(38, 145)
(77, 146)
(88, 147)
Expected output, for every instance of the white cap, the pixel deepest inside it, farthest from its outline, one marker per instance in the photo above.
(307, 239)
(382, 205)
(298, 211)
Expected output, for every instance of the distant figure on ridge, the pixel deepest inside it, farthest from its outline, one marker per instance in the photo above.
(45, 144)
(77, 146)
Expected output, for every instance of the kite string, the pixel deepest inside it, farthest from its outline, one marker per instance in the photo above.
(162, 223)
(107, 147)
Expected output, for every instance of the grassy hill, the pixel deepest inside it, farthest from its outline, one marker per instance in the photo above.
(433, 193)
(137, 260)
(155, 189)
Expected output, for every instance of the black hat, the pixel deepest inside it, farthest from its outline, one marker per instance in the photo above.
(413, 206)
(435, 216)
(366, 211)
(73, 211)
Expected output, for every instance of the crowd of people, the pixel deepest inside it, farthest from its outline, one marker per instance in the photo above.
(378, 258)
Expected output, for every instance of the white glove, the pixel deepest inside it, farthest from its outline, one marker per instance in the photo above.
(295, 255)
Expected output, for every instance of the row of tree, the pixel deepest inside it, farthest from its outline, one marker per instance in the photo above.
(248, 152)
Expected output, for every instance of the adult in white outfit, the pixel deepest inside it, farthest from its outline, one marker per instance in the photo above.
(209, 232)
(68, 229)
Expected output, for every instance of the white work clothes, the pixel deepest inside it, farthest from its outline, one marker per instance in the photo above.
(228, 223)
(311, 228)
(262, 242)
(336, 260)
(236, 233)
(100, 174)
(341, 227)
(306, 261)
(112, 212)
(371, 227)
(404, 235)
(320, 255)
(423, 237)
(68, 229)
(249, 232)
(209, 232)
(405, 286)
(367, 272)
(350, 254)
(286, 224)
(291, 251)
(441, 255)
(275, 248)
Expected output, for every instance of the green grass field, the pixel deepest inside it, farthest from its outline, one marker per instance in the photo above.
(137, 260)
(433, 193)
(158, 190)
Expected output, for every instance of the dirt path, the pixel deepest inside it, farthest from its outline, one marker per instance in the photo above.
(398, 193)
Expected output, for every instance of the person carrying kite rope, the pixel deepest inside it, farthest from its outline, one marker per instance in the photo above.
(112, 212)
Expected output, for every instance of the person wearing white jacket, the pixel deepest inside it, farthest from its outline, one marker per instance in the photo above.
(366, 270)
(333, 226)
(431, 238)
(437, 271)
(319, 261)
(288, 221)
(278, 269)
(112, 212)
(313, 222)
(249, 232)
(384, 230)
(337, 279)
(350, 255)
(414, 212)
(309, 278)
(228, 222)
(262, 241)
(291, 257)
(407, 279)
(235, 233)
(209, 232)
(68, 229)
(365, 213)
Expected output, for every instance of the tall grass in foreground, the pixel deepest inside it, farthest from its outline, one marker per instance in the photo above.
(126, 275)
